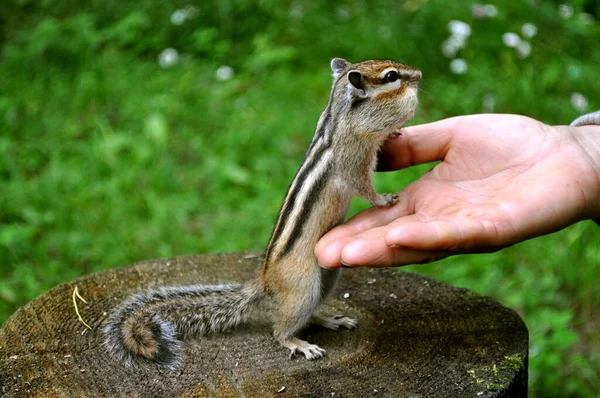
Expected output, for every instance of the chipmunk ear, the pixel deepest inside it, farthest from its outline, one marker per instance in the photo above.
(338, 65)
(356, 85)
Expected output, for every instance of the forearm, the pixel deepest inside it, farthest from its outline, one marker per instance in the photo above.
(586, 131)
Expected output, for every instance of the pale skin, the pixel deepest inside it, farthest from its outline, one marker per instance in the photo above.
(502, 179)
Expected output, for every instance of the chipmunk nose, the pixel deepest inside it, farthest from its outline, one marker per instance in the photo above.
(412, 76)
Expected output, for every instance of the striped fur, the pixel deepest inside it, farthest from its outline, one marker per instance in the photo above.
(303, 192)
(318, 164)
(363, 109)
(147, 327)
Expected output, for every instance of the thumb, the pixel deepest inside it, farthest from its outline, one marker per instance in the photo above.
(418, 144)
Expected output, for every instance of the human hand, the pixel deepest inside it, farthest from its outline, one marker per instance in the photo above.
(503, 179)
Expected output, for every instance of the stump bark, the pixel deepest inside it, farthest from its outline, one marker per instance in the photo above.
(417, 337)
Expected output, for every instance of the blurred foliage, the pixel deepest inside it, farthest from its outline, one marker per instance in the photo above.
(108, 156)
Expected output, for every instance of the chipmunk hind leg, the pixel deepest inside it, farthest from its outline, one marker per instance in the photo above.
(334, 322)
(329, 278)
(294, 312)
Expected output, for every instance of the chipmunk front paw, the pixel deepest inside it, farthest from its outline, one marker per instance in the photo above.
(386, 200)
(397, 132)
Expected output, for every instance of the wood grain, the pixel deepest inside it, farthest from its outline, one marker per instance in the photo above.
(417, 337)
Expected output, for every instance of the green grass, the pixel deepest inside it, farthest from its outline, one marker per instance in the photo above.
(106, 158)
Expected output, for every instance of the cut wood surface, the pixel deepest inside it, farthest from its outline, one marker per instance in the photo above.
(417, 337)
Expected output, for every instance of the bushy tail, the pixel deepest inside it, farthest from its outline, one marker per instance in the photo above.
(149, 327)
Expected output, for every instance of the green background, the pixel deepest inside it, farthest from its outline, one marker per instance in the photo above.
(107, 158)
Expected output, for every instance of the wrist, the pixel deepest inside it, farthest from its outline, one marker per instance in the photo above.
(587, 139)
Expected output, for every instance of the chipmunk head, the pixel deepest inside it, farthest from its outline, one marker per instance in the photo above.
(377, 95)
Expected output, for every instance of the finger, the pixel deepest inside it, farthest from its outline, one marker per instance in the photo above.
(374, 253)
(367, 247)
(419, 144)
(456, 234)
(330, 255)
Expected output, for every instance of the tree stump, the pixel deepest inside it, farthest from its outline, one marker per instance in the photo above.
(417, 337)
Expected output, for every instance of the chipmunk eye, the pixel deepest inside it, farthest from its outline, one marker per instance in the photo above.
(391, 76)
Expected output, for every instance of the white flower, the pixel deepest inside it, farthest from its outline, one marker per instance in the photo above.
(191, 12)
(457, 41)
(459, 28)
(565, 11)
(490, 10)
(478, 11)
(579, 102)
(168, 57)
(511, 39)
(297, 11)
(344, 13)
(489, 103)
(448, 49)
(458, 66)
(523, 49)
(178, 17)
(586, 18)
(574, 71)
(459, 32)
(528, 30)
(484, 10)
(224, 73)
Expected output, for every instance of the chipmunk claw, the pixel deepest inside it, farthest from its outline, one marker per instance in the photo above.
(386, 200)
(310, 351)
(397, 132)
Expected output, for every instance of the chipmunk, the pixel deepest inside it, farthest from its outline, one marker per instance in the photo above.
(369, 102)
